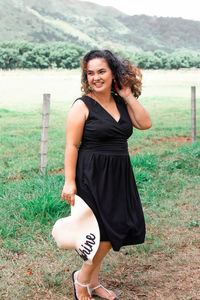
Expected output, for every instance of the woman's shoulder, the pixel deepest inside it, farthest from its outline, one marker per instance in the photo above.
(82, 99)
(85, 100)
(78, 111)
(80, 106)
(79, 102)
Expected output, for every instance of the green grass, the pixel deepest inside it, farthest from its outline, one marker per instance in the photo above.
(166, 169)
(30, 208)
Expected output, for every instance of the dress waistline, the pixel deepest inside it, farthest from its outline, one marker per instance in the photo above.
(112, 147)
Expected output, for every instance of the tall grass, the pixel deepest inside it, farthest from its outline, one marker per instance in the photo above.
(30, 207)
(161, 176)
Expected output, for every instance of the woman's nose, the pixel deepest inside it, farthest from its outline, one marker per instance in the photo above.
(96, 76)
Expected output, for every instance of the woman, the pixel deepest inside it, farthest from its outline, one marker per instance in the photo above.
(97, 164)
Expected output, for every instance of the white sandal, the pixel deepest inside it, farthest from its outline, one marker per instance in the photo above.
(98, 286)
(75, 281)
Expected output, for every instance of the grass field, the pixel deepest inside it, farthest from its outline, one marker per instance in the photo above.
(166, 166)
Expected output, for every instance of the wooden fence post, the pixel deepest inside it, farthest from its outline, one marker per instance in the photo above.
(44, 133)
(193, 113)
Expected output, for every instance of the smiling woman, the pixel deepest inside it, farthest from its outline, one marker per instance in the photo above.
(97, 163)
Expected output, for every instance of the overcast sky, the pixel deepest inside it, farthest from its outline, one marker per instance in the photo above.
(187, 9)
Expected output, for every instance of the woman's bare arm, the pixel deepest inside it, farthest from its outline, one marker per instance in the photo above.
(74, 130)
(139, 116)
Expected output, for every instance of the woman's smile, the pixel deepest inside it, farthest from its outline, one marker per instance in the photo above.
(98, 84)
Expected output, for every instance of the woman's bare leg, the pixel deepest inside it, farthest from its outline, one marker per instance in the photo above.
(95, 276)
(84, 276)
(95, 282)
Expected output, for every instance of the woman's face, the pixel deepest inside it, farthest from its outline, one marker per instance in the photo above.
(99, 75)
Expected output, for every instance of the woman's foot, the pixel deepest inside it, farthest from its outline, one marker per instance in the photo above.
(81, 290)
(103, 293)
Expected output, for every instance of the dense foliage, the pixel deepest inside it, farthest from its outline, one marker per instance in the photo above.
(27, 55)
(162, 60)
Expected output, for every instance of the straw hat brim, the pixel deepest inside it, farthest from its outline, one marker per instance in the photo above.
(80, 231)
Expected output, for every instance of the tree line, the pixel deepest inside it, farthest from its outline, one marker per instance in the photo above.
(26, 55)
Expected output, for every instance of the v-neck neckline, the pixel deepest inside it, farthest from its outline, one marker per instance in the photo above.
(107, 111)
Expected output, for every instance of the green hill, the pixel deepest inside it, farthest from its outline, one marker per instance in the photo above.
(91, 25)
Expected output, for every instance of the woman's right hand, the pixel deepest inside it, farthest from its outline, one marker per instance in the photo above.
(68, 192)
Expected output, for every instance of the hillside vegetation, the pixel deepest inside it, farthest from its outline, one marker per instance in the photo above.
(90, 25)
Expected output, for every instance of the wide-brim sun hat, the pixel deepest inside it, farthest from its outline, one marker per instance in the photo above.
(80, 231)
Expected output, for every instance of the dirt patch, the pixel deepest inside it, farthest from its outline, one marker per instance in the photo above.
(177, 140)
(57, 172)
(161, 275)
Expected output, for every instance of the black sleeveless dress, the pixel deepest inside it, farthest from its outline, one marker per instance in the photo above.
(104, 175)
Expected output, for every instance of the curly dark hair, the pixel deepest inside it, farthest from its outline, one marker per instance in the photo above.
(123, 71)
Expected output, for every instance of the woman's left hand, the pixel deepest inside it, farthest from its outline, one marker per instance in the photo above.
(125, 92)
(138, 114)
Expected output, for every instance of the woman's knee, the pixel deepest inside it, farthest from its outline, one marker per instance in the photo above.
(106, 245)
